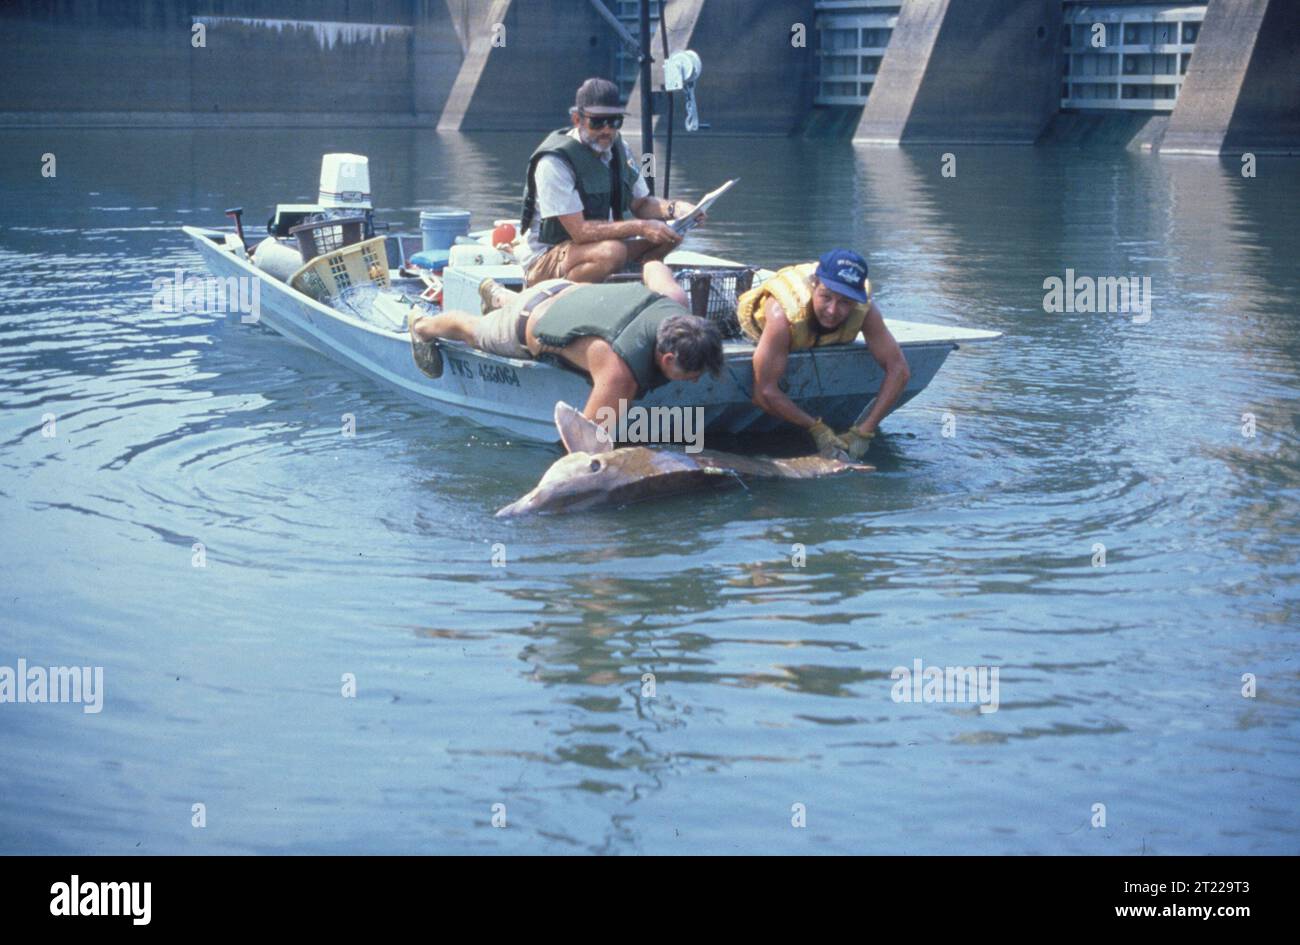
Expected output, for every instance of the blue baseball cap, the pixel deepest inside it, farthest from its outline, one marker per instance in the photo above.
(845, 272)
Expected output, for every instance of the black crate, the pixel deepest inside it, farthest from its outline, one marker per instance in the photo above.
(326, 236)
(712, 291)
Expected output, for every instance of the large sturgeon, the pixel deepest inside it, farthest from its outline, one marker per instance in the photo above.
(595, 473)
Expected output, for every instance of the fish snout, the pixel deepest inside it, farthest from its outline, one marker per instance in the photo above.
(520, 506)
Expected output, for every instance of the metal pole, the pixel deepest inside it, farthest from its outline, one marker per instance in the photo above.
(668, 149)
(647, 100)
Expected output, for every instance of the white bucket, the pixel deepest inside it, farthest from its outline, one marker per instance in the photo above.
(276, 258)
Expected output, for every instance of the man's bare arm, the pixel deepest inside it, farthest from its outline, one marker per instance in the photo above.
(611, 380)
(885, 349)
(582, 230)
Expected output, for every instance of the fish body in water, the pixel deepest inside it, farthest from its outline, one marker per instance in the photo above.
(594, 473)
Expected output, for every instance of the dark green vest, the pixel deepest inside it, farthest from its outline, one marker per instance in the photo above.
(602, 188)
(626, 314)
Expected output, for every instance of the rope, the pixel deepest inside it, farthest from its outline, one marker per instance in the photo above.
(816, 371)
(749, 395)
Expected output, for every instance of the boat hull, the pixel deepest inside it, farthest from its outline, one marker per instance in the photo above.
(519, 397)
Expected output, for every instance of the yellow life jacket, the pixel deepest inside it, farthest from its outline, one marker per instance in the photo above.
(792, 288)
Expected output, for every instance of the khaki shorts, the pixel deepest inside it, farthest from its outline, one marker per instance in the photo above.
(497, 332)
(549, 265)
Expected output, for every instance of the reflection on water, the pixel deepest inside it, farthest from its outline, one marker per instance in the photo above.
(668, 677)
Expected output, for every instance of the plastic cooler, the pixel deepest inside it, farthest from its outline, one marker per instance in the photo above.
(431, 259)
(460, 284)
(477, 254)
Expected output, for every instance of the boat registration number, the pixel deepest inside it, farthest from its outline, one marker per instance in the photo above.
(491, 373)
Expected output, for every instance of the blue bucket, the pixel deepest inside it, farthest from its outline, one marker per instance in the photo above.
(441, 227)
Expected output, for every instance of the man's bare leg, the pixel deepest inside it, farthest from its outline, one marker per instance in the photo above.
(594, 262)
(659, 278)
(450, 326)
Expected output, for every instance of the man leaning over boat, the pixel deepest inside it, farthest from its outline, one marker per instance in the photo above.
(630, 337)
(809, 306)
(587, 209)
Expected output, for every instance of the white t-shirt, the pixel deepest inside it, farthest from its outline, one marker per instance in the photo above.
(557, 195)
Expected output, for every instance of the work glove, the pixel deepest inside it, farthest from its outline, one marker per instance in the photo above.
(828, 444)
(856, 444)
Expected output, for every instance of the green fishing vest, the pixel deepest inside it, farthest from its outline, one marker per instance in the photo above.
(596, 183)
(626, 314)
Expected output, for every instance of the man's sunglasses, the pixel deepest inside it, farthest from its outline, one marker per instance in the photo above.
(603, 121)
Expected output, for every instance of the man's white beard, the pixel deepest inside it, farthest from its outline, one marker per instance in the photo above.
(590, 141)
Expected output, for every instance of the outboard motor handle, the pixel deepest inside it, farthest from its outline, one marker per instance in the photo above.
(237, 214)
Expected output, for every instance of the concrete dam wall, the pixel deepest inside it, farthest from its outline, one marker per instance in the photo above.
(227, 61)
(941, 71)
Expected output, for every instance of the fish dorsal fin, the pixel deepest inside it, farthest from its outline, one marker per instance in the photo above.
(578, 434)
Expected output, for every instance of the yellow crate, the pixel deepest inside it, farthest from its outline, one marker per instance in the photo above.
(329, 274)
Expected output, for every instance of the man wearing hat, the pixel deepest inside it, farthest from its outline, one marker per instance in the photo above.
(808, 306)
(585, 198)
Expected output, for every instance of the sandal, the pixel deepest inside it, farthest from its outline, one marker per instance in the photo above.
(426, 354)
